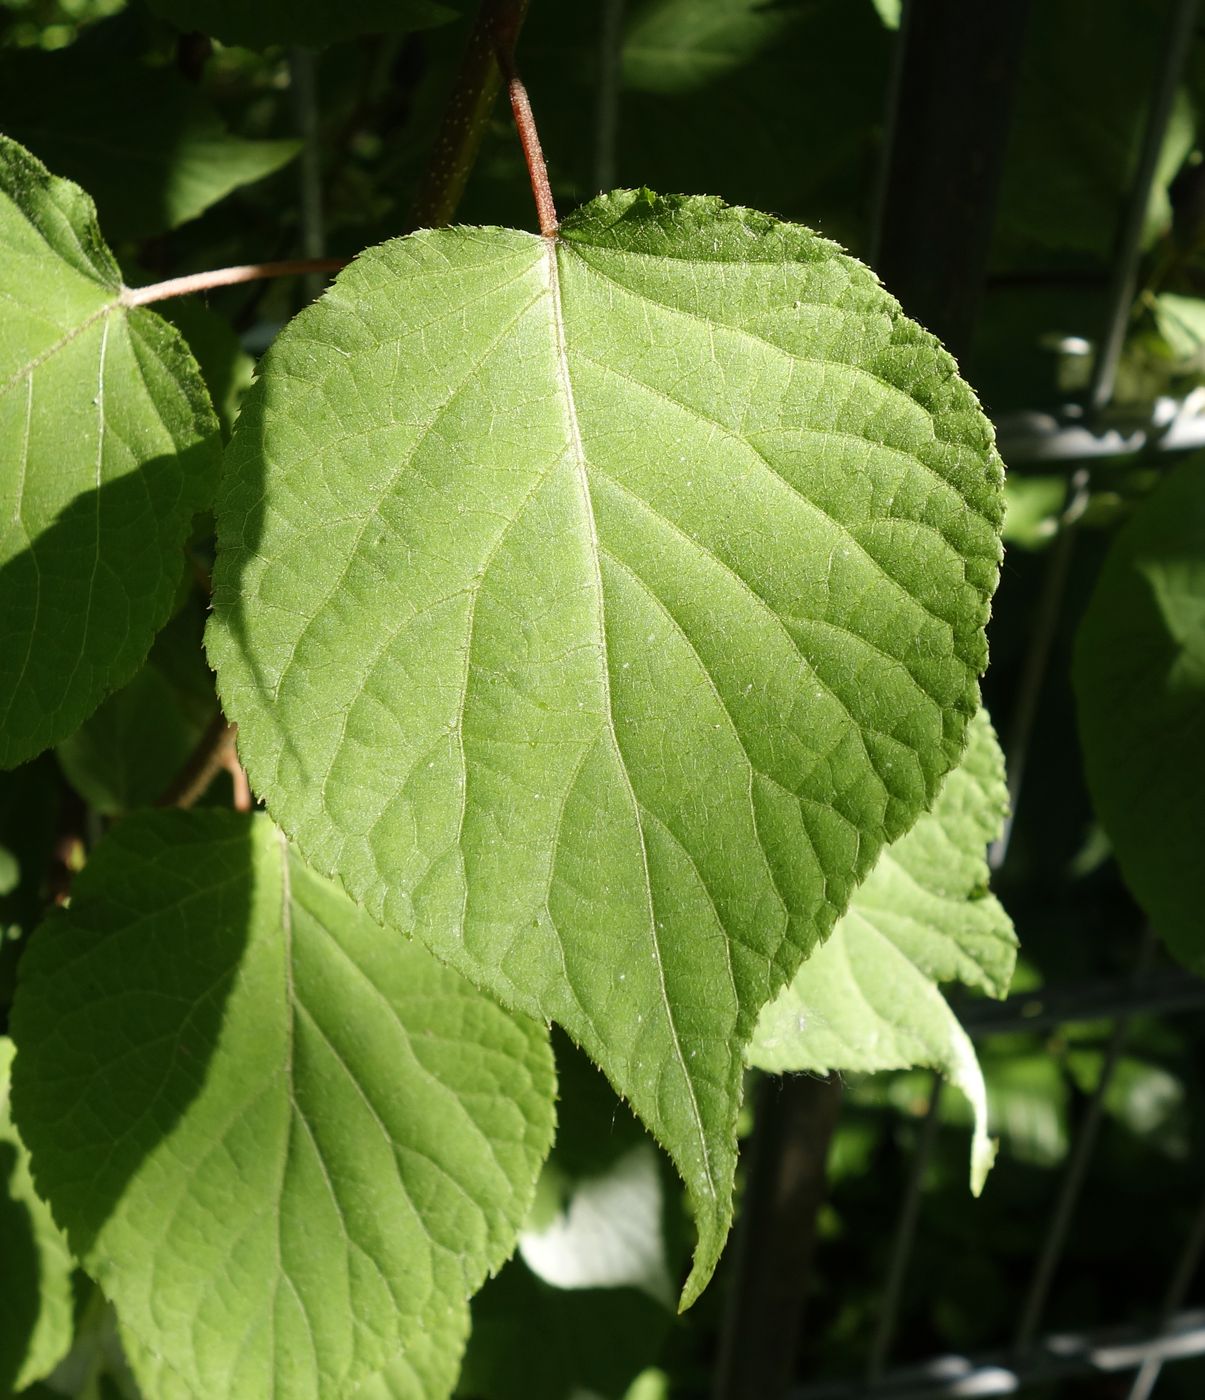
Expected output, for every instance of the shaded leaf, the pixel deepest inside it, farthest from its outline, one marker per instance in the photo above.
(127, 753)
(1139, 676)
(869, 1000)
(285, 1143)
(35, 1280)
(597, 608)
(150, 149)
(312, 22)
(109, 446)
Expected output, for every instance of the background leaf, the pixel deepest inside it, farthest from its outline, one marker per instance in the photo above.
(150, 149)
(284, 1142)
(1140, 688)
(127, 753)
(312, 22)
(868, 1000)
(598, 609)
(110, 447)
(35, 1282)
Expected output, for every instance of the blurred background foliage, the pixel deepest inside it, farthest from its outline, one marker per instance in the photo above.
(193, 157)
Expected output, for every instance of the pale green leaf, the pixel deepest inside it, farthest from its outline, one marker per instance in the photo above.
(868, 1000)
(1139, 678)
(35, 1265)
(603, 1230)
(148, 147)
(312, 22)
(597, 608)
(286, 1143)
(108, 447)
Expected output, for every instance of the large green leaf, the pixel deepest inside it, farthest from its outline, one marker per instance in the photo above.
(1140, 687)
(868, 1000)
(285, 1143)
(145, 172)
(35, 1280)
(313, 22)
(108, 447)
(598, 607)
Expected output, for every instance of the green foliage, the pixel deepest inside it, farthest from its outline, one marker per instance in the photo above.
(310, 22)
(453, 687)
(285, 1146)
(606, 612)
(35, 1283)
(1140, 684)
(146, 175)
(110, 449)
(868, 1000)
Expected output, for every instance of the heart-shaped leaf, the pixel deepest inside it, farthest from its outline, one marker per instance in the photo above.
(109, 447)
(597, 607)
(287, 1145)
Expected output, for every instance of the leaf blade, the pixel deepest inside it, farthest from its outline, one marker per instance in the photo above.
(110, 448)
(571, 594)
(284, 1142)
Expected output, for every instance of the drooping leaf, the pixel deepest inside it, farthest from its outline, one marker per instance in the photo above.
(127, 753)
(35, 1278)
(109, 447)
(869, 1000)
(148, 147)
(285, 1142)
(598, 607)
(311, 22)
(1139, 678)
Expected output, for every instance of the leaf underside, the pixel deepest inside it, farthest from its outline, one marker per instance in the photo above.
(288, 1145)
(868, 1000)
(597, 608)
(109, 448)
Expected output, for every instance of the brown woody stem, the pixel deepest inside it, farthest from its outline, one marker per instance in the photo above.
(213, 753)
(226, 277)
(467, 113)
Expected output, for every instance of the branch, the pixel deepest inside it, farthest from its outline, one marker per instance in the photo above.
(213, 753)
(226, 277)
(467, 114)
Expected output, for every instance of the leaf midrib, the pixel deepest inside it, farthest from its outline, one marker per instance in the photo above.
(552, 258)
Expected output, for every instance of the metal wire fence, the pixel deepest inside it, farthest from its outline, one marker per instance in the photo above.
(1075, 438)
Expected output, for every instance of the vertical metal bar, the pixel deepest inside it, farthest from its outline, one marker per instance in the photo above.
(1122, 285)
(952, 91)
(309, 171)
(1037, 658)
(905, 1236)
(776, 1236)
(1124, 279)
(1077, 1166)
(1177, 1291)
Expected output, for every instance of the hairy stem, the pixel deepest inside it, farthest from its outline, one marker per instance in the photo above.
(529, 138)
(227, 277)
(467, 114)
